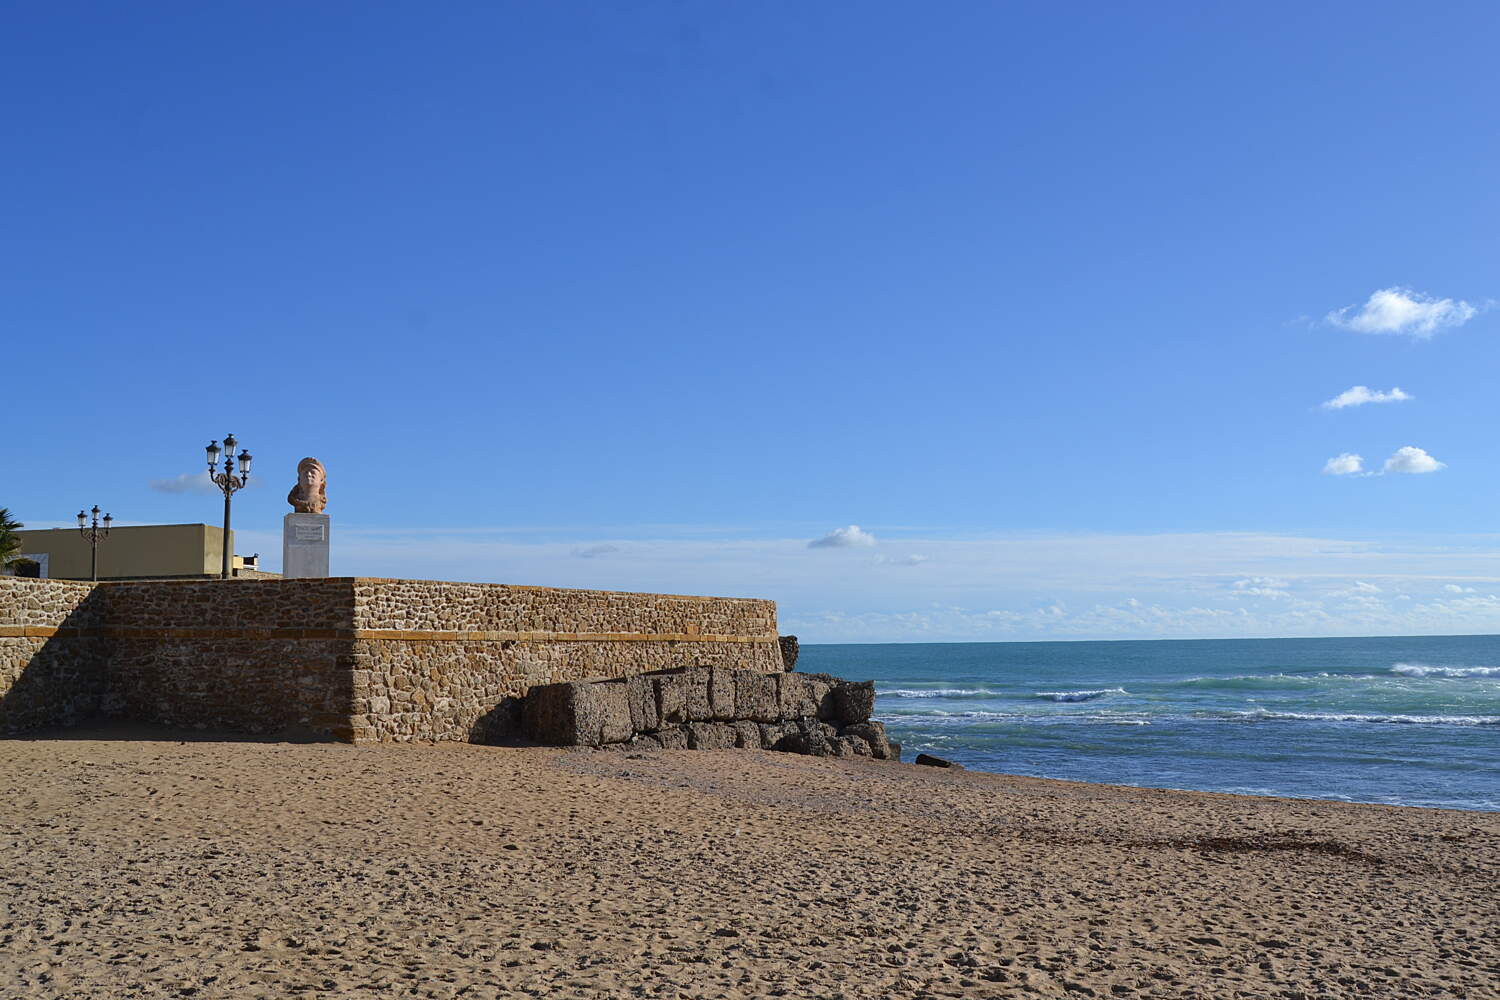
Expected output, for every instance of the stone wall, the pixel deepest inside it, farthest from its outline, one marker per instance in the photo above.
(51, 653)
(258, 656)
(444, 661)
(359, 660)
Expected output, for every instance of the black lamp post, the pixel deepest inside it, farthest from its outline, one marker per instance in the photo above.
(227, 482)
(94, 532)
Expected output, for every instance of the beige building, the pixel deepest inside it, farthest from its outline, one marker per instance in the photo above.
(144, 552)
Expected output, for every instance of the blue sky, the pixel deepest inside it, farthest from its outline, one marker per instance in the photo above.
(1044, 298)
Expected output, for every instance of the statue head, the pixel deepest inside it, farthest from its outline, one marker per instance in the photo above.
(310, 495)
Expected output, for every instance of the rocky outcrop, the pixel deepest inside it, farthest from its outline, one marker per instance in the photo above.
(789, 649)
(712, 708)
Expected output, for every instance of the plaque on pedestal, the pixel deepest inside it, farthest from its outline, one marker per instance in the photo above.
(304, 546)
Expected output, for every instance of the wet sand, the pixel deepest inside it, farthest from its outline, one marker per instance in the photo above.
(146, 867)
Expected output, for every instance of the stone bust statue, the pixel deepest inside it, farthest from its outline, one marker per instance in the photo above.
(310, 495)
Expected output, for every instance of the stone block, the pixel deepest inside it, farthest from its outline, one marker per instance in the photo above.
(803, 743)
(772, 733)
(615, 725)
(850, 702)
(671, 698)
(710, 736)
(873, 733)
(644, 715)
(646, 741)
(746, 734)
(699, 707)
(577, 713)
(794, 696)
(813, 727)
(675, 738)
(720, 693)
(755, 696)
(849, 746)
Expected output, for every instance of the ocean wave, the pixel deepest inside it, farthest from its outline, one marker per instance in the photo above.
(1409, 720)
(1425, 670)
(1080, 695)
(938, 693)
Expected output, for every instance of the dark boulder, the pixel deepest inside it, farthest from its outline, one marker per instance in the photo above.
(873, 733)
(929, 760)
(710, 736)
(851, 702)
(789, 650)
(755, 696)
(578, 713)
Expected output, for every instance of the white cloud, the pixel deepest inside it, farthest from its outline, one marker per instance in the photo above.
(843, 538)
(1454, 588)
(188, 482)
(1262, 586)
(1360, 587)
(915, 559)
(1347, 464)
(1359, 395)
(1401, 310)
(1412, 460)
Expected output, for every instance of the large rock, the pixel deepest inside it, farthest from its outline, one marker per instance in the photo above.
(873, 733)
(789, 650)
(813, 727)
(675, 738)
(671, 697)
(644, 714)
(928, 760)
(578, 713)
(746, 734)
(720, 693)
(851, 702)
(755, 696)
(806, 743)
(849, 746)
(771, 733)
(699, 706)
(710, 736)
(799, 695)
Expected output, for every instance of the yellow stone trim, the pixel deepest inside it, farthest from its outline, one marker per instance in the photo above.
(382, 634)
(409, 635)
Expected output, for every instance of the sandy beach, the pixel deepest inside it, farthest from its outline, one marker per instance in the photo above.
(150, 867)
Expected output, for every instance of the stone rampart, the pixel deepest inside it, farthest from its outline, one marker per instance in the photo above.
(356, 659)
(444, 661)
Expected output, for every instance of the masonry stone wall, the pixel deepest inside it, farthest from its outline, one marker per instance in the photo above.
(51, 653)
(445, 661)
(360, 660)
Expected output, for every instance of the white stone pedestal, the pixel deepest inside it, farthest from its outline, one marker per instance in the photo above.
(304, 546)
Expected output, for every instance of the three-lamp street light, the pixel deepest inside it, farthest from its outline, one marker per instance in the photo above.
(228, 482)
(93, 532)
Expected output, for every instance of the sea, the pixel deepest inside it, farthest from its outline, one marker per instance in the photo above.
(1411, 721)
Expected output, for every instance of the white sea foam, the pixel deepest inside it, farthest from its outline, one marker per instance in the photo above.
(1080, 695)
(1425, 670)
(1412, 720)
(937, 693)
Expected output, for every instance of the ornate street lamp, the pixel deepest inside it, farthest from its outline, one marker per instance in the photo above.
(94, 532)
(228, 483)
